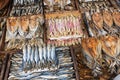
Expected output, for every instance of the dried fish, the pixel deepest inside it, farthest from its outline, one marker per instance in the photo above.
(91, 49)
(12, 26)
(110, 46)
(63, 72)
(23, 28)
(64, 30)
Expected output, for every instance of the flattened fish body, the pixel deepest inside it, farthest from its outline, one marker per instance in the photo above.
(12, 24)
(24, 23)
(91, 47)
(107, 17)
(109, 45)
(98, 20)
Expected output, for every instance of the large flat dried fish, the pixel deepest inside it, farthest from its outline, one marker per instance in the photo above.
(91, 49)
(110, 45)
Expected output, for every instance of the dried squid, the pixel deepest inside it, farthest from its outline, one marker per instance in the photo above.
(91, 49)
(111, 48)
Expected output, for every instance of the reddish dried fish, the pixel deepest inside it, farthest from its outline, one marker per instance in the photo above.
(91, 49)
(98, 20)
(110, 46)
(116, 17)
(24, 24)
(12, 26)
(107, 17)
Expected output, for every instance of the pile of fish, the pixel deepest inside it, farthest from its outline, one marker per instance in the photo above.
(55, 5)
(64, 29)
(93, 4)
(25, 27)
(39, 57)
(25, 2)
(65, 70)
(102, 22)
(104, 49)
(26, 7)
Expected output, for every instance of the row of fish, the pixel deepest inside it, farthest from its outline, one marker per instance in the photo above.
(65, 28)
(90, 4)
(24, 26)
(102, 22)
(100, 52)
(65, 71)
(39, 57)
(25, 2)
(60, 4)
(26, 7)
(26, 10)
(67, 42)
(89, 0)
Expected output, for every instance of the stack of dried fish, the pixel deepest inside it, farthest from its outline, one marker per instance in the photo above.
(102, 22)
(93, 4)
(106, 50)
(26, 7)
(24, 27)
(65, 70)
(64, 29)
(55, 5)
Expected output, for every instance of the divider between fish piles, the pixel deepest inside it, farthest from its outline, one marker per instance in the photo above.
(5, 15)
(75, 63)
(2, 41)
(6, 63)
(44, 25)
